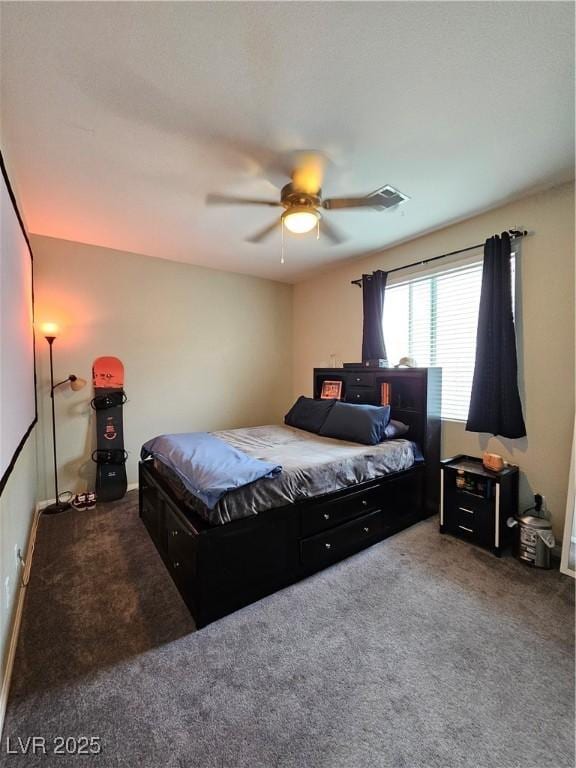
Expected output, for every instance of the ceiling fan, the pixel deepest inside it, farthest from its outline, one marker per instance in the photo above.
(303, 202)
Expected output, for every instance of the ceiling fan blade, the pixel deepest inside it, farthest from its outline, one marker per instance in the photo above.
(308, 171)
(263, 233)
(228, 200)
(331, 232)
(371, 201)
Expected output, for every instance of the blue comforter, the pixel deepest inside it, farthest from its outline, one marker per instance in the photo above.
(207, 466)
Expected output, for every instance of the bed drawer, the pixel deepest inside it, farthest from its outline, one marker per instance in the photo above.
(180, 548)
(317, 551)
(150, 510)
(323, 516)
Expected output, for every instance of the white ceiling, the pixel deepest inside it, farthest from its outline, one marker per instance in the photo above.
(121, 117)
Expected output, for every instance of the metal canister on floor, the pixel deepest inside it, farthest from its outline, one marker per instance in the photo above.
(535, 540)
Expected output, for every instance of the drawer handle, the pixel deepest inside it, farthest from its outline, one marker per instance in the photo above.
(357, 397)
(326, 516)
(327, 546)
(364, 503)
(366, 529)
(176, 564)
(465, 509)
(358, 379)
(468, 530)
(174, 533)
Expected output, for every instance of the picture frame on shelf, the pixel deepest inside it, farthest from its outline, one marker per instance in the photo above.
(331, 390)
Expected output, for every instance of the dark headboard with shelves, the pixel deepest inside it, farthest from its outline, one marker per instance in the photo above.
(415, 398)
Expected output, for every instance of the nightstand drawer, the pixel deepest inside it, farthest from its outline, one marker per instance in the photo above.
(475, 524)
(468, 502)
(466, 529)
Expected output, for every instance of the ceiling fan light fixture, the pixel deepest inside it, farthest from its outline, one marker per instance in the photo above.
(300, 220)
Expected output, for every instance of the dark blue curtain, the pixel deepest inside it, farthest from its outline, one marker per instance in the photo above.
(495, 401)
(373, 289)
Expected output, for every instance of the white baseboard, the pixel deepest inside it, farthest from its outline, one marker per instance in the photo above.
(13, 638)
(43, 504)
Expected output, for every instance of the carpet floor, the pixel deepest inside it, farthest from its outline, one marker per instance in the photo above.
(421, 652)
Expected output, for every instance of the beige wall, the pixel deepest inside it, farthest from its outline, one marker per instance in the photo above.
(328, 320)
(17, 505)
(202, 349)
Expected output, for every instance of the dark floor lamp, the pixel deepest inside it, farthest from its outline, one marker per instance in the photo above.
(50, 330)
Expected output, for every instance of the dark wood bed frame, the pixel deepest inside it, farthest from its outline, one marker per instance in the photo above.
(220, 568)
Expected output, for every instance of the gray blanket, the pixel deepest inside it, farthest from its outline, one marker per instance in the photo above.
(312, 466)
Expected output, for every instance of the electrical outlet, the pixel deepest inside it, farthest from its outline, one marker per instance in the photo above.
(540, 505)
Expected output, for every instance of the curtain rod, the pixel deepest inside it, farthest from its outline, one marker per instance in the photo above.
(515, 234)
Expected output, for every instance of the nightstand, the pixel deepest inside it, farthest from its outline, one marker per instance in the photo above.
(476, 503)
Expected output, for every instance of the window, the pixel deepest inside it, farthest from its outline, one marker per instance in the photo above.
(434, 319)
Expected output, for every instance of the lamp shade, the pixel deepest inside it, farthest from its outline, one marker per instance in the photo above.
(77, 383)
(49, 329)
(300, 221)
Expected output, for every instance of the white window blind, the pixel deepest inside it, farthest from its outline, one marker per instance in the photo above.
(434, 319)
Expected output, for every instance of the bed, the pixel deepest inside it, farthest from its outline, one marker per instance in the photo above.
(312, 466)
(332, 498)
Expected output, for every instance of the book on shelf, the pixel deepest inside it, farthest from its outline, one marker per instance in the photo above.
(385, 393)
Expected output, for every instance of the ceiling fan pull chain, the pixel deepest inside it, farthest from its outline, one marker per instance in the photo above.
(318, 229)
(282, 246)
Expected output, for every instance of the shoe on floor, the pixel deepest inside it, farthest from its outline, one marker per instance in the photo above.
(90, 500)
(80, 501)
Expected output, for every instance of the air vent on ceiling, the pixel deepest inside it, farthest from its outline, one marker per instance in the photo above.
(389, 197)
